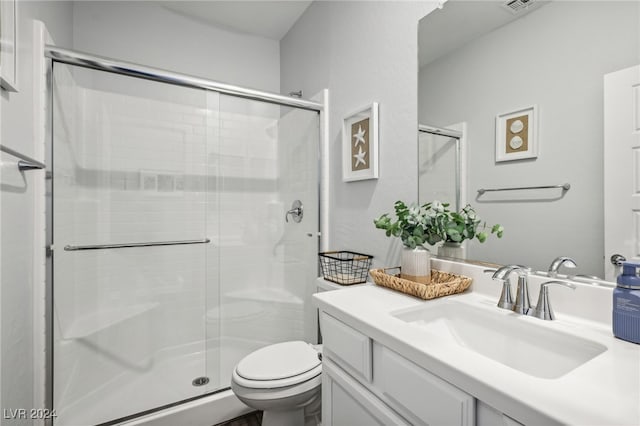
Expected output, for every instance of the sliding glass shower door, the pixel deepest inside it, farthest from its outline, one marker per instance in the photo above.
(439, 169)
(173, 258)
(267, 159)
(129, 176)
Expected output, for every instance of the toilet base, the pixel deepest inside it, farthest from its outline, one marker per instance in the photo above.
(283, 418)
(297, 409)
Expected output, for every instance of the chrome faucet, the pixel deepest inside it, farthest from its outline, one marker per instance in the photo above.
(522, 303)
(558, 262)
(543, 307)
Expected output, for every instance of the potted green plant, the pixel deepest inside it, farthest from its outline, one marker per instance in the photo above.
(432, 223)
(414, 226)
(453, 228)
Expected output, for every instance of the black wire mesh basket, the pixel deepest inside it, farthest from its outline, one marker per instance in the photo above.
(345, 267)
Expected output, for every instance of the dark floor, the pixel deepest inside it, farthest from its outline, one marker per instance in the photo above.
(251, 419)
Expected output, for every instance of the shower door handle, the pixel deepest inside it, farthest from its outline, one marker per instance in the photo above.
(296, 212)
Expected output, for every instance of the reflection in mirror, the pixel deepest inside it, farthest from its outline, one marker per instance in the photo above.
(480, 61)
(440, 173)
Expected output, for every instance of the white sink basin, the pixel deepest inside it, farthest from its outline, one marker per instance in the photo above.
(517, 342)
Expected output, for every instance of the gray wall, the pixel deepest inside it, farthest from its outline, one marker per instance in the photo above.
(554, 57)
(363, 52)
(144, 32)
(20, 317)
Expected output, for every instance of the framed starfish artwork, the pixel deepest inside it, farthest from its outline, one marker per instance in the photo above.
(360, 144)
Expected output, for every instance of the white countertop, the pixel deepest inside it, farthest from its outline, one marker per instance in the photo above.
(603, 391)
(324, 285)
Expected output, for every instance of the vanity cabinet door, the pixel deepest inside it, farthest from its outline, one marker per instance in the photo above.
(346, 346)
(345, 402)
(421, 397)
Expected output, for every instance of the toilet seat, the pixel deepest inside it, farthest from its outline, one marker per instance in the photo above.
(279, 365)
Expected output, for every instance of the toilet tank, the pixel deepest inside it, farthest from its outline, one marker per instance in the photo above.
(312, 329)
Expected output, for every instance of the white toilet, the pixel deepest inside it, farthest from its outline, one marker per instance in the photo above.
(283, 380)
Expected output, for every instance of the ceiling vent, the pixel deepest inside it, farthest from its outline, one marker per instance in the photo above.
(517, 6)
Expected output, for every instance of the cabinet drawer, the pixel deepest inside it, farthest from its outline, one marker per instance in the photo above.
(419, 395)
(347, 346)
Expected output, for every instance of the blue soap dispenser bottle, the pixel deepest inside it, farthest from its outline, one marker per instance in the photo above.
(626, 303)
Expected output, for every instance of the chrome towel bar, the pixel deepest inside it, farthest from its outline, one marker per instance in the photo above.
(564, 186)
(129, 245)
(25, 163)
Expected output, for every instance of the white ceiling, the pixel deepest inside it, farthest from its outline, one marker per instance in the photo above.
(268, 19)
(460, 22)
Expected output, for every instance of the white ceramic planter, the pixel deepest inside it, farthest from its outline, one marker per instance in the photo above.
(416, 265)
(453, 250)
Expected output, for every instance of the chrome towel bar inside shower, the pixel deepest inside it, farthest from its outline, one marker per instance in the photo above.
(564, 186)
(129, 245)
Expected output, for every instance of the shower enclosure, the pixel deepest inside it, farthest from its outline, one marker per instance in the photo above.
(441, 159)
(171, 254)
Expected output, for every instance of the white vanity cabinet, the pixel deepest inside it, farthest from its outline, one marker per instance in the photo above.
(366, 383)
(345, 402)
(460, 360)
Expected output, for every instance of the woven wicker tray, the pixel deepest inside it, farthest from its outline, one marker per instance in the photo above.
(442, 283)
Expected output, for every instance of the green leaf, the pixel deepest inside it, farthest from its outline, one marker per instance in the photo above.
(410, 242)
(433, 239)
(433, 222)
(383, 222)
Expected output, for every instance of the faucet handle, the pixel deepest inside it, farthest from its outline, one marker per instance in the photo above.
(506, 299)
(543, 307)
(502, 275)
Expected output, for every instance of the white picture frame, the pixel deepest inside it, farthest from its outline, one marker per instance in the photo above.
(517, 134)
(8, 45)
(360, 144)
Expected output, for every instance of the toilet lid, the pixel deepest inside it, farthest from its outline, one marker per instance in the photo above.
(279, 361)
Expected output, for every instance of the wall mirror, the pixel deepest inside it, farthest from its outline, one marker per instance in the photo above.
(441, 155)
(536, 74)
